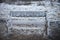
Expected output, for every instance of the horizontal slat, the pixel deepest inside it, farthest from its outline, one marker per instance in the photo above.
(28, 28)
(27, 14)
(26, 20)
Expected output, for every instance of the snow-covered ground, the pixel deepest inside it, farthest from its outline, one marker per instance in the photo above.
(51, 13)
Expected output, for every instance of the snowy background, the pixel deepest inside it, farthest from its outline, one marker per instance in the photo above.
(33, 19)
